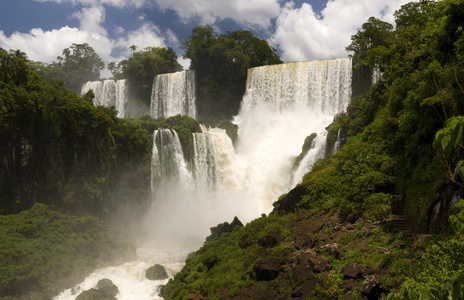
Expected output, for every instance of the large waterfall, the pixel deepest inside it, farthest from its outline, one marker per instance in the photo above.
(283, 105)
(173, 94)
(109, 93)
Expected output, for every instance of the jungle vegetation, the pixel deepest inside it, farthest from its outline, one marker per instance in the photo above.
(404, 134)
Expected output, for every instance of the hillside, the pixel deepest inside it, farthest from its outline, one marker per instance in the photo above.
(404, 140)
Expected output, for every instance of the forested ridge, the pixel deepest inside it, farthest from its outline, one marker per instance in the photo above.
(332, 237)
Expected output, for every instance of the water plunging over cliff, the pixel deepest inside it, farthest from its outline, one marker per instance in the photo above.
(173, 94)
(109, 93)
(283, 105)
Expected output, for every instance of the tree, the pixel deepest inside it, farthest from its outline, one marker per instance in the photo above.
(221, 63)
(373, 38)
(142, 68)
(133, 48)
(79, 63)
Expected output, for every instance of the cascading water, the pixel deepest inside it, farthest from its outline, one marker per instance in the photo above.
(173, 94)
(167, 163)
(109, 93)
(283, 105)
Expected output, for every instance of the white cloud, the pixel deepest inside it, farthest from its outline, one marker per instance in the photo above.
(119, 30)
(249, 13)
(45, 46)
(303, 35)
(42, 45)
(91, 18)
(184, 62)
(148, 35)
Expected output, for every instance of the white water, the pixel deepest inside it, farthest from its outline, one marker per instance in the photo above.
(109, 93)
(283, 104)
(173, 94)
(317, 151)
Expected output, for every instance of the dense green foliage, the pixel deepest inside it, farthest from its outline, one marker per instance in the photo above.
(61, 150)
(142, 68)
(420, 88)
(80, 63)
(221, 63)
(390, 130)
(440, 272)
(227, 265)
(43, 251)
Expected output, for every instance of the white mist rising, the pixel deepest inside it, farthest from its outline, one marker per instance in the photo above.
(283, 105)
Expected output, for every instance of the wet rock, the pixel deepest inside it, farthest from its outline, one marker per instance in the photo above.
(156, 272)
(225, 227)
(318, 263)
(105, 290)
(288, 203)
(352, 271)
(268, 269)
(350, 285)
(303, 242)
(160, 290)
(107, 287)
(370, 287)
(332, 249)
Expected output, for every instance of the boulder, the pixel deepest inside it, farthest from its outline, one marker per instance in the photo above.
(93, 294)
(288, 203)
(371, 287)
(332, 249)
(107, 287)
(105, 290)
(160, 290)
(353, 271)
(225, 227)
(156, 272)
(318, 263)
(303, 241)
(268, 269)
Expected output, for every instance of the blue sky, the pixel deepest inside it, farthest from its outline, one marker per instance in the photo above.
(299, 30)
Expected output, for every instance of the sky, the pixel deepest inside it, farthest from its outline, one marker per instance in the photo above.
(299, 30)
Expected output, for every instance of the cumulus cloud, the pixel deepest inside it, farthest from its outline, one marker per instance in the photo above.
(248, 13)
(45, 46)
(301, 34)
(148, 35)
(42, 45)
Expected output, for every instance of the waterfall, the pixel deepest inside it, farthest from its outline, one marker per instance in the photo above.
(323, 86)
(317, 151)
(282, 105)
(108, 93)
(173, 94)
(167, 163)
(213, 158)
(338, 143)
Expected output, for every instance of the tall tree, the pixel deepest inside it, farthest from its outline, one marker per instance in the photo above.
(142, 68)
(221, 63)
(133, 48)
